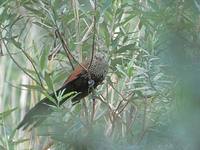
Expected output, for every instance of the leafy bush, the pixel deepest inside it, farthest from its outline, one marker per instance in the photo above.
(150, 98)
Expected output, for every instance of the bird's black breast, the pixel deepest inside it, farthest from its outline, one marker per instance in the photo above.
(82, 86)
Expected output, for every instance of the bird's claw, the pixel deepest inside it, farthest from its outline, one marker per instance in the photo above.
(91, 83)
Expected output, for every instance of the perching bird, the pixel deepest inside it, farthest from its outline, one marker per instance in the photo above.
(81, 81)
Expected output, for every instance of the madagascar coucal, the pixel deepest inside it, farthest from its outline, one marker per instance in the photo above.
(81, 80)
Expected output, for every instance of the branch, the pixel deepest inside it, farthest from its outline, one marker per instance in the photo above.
(34, 67)
(67, 51)
(10, 55)
(94, 32)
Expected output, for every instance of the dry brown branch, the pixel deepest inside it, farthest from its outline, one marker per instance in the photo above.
(48, 145)
(67, 51)
(54, 52)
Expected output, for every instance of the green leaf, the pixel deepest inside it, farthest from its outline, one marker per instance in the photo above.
(33, 87)
(42, 25)
(59, 76)
(120, 69)
(127, 19)
(125, 48)
(43, 59)
(106, 5)
(16, 43)
(48, 81)
(20, 141)
(106, 33)
(50, 98)
(30, 71)
(2, 148)
(62, 97)
(6, 113)
(35, 11)
(130, 72)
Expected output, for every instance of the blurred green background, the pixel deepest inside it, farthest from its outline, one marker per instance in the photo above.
(150, 99)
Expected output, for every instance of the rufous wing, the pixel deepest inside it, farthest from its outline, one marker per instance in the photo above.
(76, 73)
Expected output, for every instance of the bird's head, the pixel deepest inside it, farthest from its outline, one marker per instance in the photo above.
(99, 64)
(100, 57)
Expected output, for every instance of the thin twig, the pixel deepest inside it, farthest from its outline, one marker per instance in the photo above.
(86, 112)
(91, 60)
(132, 119)
(5, 54)
(7, 49)
(54, 52)
(144, 121)
(1, 50)
(68, 53)
(10, 55)
(47, 147)
(113, 115)
(65, 47)
(77, 25)
(64, 43)
(122, 109)
(102, 99)
(123, 98)
(34, 67)
(127, 101)
(94, 31)
(93, 110)
(85, 37)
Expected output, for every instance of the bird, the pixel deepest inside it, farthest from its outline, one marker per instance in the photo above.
(84, 78)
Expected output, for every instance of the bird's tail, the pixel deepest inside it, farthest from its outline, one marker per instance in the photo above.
(37, 114)
(43, 108)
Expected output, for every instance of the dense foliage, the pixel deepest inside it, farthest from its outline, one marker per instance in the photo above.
(150, 98)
